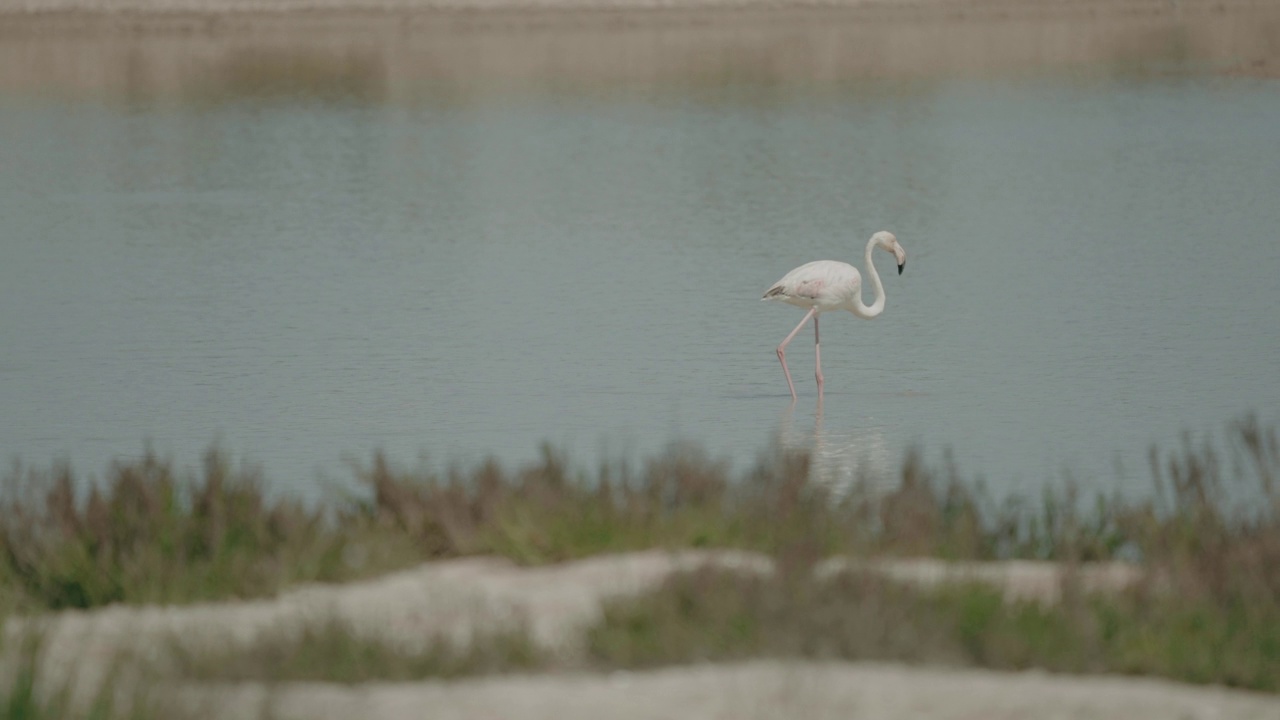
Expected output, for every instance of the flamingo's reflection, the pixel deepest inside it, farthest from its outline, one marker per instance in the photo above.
(844, 460)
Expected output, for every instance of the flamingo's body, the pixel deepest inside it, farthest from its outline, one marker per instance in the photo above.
(825, 285)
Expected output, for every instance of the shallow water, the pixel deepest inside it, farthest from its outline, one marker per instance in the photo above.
(1093, 266)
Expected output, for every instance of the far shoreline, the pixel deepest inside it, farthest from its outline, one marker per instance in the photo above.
(15, 13)
(402, 50)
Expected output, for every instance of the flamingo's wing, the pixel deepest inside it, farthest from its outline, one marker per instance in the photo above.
(809, 288)
(813, 281)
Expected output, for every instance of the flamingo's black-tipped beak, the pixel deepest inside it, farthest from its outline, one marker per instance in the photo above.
(901, 266)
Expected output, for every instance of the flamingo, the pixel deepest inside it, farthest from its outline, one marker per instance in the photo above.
(824, 285)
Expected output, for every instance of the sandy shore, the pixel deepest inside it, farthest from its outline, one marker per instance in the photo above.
(613, 13)
(1001, 7)
(459, 598)
(911, 8)
(557, 603)
(757, 690)
(408, 51)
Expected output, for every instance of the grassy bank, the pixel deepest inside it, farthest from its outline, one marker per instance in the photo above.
(1207, 611)
(711, 616)
(149, 532)
(27, 693)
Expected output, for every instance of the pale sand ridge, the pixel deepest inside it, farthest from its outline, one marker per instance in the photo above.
(557, 603)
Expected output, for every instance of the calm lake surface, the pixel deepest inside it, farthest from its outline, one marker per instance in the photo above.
(1094, 266)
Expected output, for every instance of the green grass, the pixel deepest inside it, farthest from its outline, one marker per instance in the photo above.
(332, 651)
(716, 616)
(150, 533)
(27, 695)
(1207, 611)
(151, 536)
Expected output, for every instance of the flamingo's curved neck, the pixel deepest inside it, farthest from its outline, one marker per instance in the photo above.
(877, 288)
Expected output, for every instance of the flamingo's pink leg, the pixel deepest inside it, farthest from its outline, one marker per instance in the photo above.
(782, 350)
(817, 355)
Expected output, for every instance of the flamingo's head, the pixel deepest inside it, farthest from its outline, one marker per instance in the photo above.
(888, 241)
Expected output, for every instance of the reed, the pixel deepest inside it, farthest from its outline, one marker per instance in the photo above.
(1207, 609)
(153, 533)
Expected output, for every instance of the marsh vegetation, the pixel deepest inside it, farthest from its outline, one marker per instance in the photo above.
(1207, 609)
